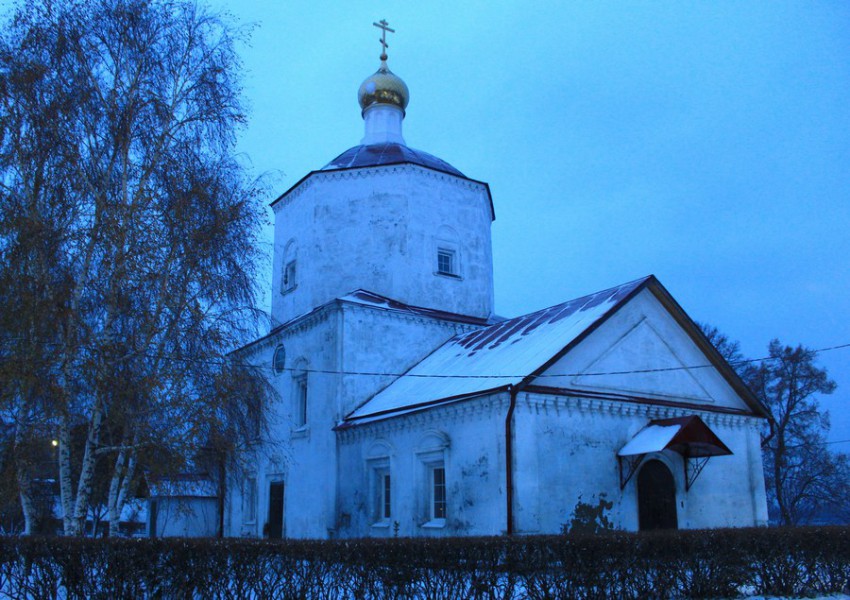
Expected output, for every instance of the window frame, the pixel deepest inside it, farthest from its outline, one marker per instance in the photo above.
(288, 276)
(279, 351)
(434, 496)
(381, 486)
(250, 497)
(449, 257)
(432, 461)
(300, 386)
(385, 507)
(447, 242)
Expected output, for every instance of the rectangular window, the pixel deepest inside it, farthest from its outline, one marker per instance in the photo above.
(250, 500)
(386, 497)
(446, 262)
(380, 485)
(301, 400)
(438, 492)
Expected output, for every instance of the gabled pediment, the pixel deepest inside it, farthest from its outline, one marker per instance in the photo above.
(643, 363)
(648, 349)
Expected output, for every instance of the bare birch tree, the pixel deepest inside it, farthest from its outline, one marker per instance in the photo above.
(128, 248)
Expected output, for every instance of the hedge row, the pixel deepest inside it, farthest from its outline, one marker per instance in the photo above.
(691, 564)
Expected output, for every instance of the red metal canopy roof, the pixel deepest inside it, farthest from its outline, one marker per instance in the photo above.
(689, 436)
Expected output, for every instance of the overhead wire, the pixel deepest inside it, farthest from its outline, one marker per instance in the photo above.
(222, 362)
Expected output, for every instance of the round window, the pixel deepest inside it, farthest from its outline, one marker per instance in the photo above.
(279, 360)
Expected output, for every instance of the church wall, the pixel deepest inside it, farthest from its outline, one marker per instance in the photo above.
(302, 456)
(341, 337)
(385, 341)
(379, 229)
(467, 438)
(566, 452)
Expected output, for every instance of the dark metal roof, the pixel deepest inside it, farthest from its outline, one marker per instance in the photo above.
(694, 439)
(383, 155)
(372, 299)
(388, 154)
(689, 436)
(507, 353)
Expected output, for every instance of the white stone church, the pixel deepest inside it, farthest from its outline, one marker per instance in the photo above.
(406, 407)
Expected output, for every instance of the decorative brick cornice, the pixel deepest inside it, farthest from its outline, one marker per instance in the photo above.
(455, 326)
(287, 330)
(558, 404)
(440, 417)
(467, 409)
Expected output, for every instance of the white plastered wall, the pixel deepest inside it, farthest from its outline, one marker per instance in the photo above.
(469, 436)
(377, 229)
(633, 367)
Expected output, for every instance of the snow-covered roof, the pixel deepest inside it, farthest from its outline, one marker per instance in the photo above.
(653, 438)
(492, 357)
(689, 436)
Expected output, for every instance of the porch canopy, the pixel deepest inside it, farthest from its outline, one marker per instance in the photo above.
(688, 436)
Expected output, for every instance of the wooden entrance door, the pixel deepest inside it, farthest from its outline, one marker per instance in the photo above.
(656, 497)
(276, 510)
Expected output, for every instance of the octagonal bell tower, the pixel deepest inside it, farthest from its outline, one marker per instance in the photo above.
(385, 218)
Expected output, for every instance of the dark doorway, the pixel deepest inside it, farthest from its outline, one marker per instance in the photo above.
(656, 497)
(276, 510)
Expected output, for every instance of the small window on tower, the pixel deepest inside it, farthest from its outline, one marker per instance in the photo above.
(288, 283)
(446, 263)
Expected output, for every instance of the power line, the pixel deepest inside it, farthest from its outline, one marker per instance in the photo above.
(265, 367)
(808, 444)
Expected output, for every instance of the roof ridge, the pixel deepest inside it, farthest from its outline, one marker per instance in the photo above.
(487, 358)
(507, 322)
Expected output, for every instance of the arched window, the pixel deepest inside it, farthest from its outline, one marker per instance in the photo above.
(300, 395)
(380, 483)
(279, 360)
(656, 490)
(289, 268)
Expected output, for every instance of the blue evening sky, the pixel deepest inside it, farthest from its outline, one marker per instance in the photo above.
(707, 143)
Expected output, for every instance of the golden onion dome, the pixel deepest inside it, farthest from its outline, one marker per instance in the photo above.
(384, 87)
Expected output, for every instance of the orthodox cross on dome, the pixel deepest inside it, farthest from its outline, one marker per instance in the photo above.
(384, 27)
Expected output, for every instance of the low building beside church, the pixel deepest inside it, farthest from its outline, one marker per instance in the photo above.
(407, 408)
